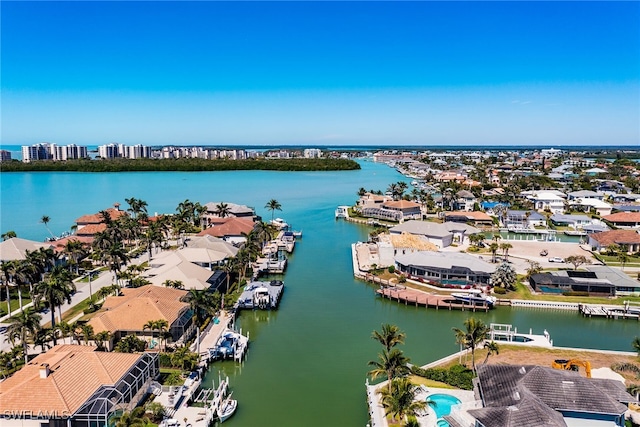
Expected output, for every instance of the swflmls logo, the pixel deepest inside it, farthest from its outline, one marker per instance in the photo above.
(36, 415)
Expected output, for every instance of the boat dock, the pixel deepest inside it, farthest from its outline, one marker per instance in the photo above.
(261, 295)
(609, 311)
(410, 296)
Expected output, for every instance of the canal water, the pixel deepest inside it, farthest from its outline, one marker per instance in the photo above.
(307, 361)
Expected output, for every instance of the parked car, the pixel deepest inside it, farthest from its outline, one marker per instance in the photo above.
(544, 252)
(555, 259)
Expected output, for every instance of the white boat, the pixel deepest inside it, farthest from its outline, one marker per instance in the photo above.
(279, 223)
(227, 408)
(475, 296)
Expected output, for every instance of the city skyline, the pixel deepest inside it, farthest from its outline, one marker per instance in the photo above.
(325, 73)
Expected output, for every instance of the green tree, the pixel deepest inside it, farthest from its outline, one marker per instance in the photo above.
(391, 364)
(101, 339)
(636, 344)
(577, 260)
(273, 205)
(493, 247)
(504, 276)
(492, 348)
(184, 359)
(130, 344)
(55, 290)
(200, 304)
(222, 210)
(45, 220)
(534, 268)
(135, 418)
(9, 235)
(474, 334)
(505, 250)
(389, 336)
(400, 401)
(22, 328)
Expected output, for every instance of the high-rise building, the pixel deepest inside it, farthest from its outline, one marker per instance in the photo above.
(5, 155)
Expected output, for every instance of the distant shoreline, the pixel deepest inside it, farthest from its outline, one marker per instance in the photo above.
(179, 165)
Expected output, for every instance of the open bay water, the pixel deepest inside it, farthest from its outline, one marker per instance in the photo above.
(307, 361)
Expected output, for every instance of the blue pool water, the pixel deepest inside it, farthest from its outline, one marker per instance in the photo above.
(442, 404)
(550, 290)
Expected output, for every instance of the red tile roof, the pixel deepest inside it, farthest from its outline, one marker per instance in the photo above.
(232, 226)
(401, 204)
(76, 372)
(91, 230)
(97, 218)
(622, 217)
(616, 237)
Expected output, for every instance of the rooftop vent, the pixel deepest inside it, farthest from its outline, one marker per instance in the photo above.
(516, 395)
(522, 370)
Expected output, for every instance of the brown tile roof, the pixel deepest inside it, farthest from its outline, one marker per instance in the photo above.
(96, 218)
(76, 373)
(137, 306)
(91, 229)
(228, 227)
(473, 215)
(621, 217)
(401, 204)
(61, 243)
(617, 237)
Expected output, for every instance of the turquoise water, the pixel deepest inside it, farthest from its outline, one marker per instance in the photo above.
(307, 361)
(442, 403)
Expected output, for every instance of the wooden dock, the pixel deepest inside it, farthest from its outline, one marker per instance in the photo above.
(610, 312)
(408, 296)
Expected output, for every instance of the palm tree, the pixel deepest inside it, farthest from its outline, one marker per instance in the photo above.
(391, 363)
(504, 276)
(389, 337)
(493, 247)
(505, 249)
(623, 258)
(55, 289)
(183, 358)
(135, 418)
(22, 328)
(101, 338)
(200, 304)
(475, 332)
(636, 344)
(400, 399)
(492, 348)
(273, 205)
(45, 220)
(64, 329)
(9, 235)
(42, 338)
(74, 250)
(222, 210)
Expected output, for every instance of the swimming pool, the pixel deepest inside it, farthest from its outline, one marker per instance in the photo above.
(441, 405)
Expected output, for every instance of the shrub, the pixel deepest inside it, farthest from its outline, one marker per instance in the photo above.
(402, 279)
(165, 360)
(174, 378)
(575, 294)
(392, 269)
(457, 376)
(473, 249)
(499, 291)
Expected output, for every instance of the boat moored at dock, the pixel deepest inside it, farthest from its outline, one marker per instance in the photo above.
(230, 345)
(475, 296)
(261, 295)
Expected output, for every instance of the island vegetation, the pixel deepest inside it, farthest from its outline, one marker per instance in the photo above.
(181, 165)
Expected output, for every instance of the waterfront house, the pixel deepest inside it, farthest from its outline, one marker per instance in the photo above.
(234, 210)
(186, 266)
(371, 200)
(97, 220)
(476, 218)
(208, 251)
(626, 239)
(524, 219)
(527, 395)
(576, 222)
(15, 248)
(440, 235)
(624, 219)
(547, 201)
(408, 209)
(584, 194)
(465, 200)
(233, 230)
(75, 386)
(626, 198)
(448, 269)
(596, 206)
(127, 313)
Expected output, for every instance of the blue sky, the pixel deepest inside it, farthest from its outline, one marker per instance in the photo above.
(325, 73)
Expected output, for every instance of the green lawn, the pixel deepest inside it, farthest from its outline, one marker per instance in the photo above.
(15, 303)
(523, 292)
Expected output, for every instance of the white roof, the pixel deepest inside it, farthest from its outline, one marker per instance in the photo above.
(594, 203)
(15, 248)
